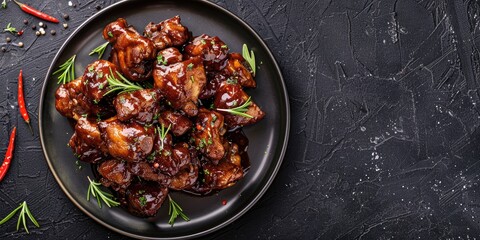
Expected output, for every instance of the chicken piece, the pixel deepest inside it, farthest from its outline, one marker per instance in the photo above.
(131, 142)
(212, 50)
(85, 152)
(208, 134)
(87, 142)
(179, 123)
(228, 171)
(167, 33)
(181, 83)
(237, 70)
(115, 174)
(145, 198)
(95, 78)
(169, 56)
(214, 79)
(133, 53)
(147, 172)
(71, 101)
(187, 175)
(230, 95)
(140, 105)
(161, 156)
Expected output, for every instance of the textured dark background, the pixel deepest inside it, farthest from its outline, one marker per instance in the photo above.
(384, 139)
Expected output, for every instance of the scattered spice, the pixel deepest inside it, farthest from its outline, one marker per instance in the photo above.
(34, 12)
(53, 32)
(4, 49)
(40, 24)
(42, 31)
(21, 99)
(8, 39)
(20, 33)
(65, 16)
(37, 33)
(65, 25)
(224, 202)
(25, 21)
(20, 44)
(34, 27)
(8, 155)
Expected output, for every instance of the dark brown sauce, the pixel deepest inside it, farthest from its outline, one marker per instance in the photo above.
(238, 137)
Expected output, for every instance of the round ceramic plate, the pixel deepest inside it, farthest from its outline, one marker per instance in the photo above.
(268, 138)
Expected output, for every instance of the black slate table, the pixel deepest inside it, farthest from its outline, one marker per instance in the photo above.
(385, 121)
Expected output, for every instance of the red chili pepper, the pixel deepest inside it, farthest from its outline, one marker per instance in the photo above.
(36, 13)
(21, 101)
(8, 155)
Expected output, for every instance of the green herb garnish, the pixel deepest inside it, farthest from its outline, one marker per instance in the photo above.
(122, 85)
(9, 28)
(163, 133)
(4, 4)
(68, 71)
(23, 208)
(174, 210)
(161, 60)
(240, 110)
(143, 201)
(249, 57)
(99, 50)
(110, 34)
(107, 198)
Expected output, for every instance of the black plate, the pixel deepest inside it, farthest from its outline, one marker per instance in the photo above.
(268, 139)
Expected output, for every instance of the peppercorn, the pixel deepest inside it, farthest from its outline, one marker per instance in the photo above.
(4, 49)
(8, 39)
(34, 27)
(40, 24)
(65, 25)
(25, 21)
(37, 33)
(20, 44)
(53, 32)
(65, 16)
(98, 7)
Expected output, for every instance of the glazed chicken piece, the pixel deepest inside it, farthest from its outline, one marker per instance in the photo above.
(208, 134)
(95, 79)
(147, 172)
(72, 102)
(145, 198)
(226, 172)
(131, 142)
(230, 95)
(140, 105)
(85, 152)
(222, 175)
(169, 56)
(115, 174)
(187, 175)
(212, 50)
(133, 53)
(167, 33)
(162, 154)
(179, 123)
(237, 70)
(181, 83)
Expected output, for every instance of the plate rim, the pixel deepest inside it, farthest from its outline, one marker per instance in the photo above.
(263, 189)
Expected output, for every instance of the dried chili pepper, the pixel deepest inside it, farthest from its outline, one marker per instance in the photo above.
(8, 155)
(21, 101)
(36, 13)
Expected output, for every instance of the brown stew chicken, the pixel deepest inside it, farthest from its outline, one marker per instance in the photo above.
(175, 134)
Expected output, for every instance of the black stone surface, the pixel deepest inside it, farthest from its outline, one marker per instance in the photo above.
(385, 132)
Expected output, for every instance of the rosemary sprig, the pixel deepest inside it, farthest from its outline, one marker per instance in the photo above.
(67, 70)
(249, 57)
(107, 198)
(4, 4)
(9, 28)
(240, 110)
(163, 133)
(23, 208)
(122, 85)
(99, 50)
(174, 210)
